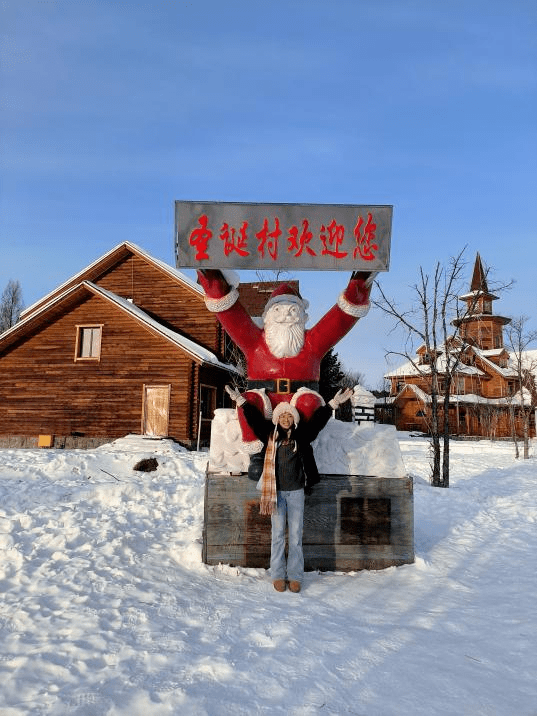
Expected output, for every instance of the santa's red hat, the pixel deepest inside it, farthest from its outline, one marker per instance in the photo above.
(285, 293)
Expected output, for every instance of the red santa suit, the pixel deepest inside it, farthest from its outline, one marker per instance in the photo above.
(294, 379)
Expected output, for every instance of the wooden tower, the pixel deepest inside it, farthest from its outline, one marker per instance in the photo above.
(479, 326)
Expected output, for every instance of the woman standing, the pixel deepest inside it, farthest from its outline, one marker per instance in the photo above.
(288, 471)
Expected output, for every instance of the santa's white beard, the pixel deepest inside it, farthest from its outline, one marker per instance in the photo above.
(284, 340)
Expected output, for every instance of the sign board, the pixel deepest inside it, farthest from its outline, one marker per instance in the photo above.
(326, 237)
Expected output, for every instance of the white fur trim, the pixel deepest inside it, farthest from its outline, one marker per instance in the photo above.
(282, 408)
(302, 391)
(232, 277)
(267, 405)
(252, 447)
(215, 305)
(352, 309)
(286, 298)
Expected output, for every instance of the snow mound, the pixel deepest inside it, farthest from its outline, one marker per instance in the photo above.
(106, 608)
(142, 444)
(340, 449)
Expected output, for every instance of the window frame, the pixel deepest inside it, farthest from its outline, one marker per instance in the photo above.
(80, 328)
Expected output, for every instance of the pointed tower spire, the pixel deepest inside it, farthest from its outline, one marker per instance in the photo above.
(480, 326)
(479, 279)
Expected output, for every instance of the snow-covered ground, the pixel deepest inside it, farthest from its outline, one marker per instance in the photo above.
(106, 607)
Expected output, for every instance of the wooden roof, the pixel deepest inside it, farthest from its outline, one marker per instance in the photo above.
(105, 263)
(75, 294)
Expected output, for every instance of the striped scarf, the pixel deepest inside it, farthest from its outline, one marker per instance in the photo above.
(269, 497)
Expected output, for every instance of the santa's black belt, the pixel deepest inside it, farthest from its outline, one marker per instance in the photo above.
(283, 385)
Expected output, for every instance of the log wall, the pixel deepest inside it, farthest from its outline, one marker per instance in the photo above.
(174, 304)
(43, 390)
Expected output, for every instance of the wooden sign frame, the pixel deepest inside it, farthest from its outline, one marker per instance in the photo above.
(326, 237)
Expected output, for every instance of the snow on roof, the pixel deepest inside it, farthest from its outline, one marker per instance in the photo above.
(465, 398)
(420, 394)
(412, 368)
(186, 344)
(471, 398)
(507, 372)
(478, 292)
(362, 397)
(192, 348)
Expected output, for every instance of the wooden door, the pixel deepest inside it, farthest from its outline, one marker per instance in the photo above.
(156, 409)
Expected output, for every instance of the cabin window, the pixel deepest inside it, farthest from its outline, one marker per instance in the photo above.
(88, 342)
(420, 414)
(207, 402)
(487, 306)
(497, 341)
(459, 386)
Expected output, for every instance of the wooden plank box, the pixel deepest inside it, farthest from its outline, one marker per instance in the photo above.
(351, 522)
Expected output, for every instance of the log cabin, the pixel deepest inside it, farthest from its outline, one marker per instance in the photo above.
(125, 346)
(486, 392)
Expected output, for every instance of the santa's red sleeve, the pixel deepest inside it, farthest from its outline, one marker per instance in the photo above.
(352, 304)
(223, 299)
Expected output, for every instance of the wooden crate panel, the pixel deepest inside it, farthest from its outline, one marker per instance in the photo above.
(351, 522)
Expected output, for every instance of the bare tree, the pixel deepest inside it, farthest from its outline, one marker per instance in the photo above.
(438, 321)
(11, 305)
(519, 338)
(274, 275)
(352, 378)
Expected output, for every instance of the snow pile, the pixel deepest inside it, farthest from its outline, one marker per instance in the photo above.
(106, 608)
(226, 453)
(340, 449)
(351, 449)
(362, 397)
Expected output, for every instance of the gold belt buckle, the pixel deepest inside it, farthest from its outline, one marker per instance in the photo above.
(283, 385)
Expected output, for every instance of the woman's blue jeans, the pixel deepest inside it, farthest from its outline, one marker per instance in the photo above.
(290, 510)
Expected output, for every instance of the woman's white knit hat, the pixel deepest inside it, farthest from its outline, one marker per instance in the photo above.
(282, 408)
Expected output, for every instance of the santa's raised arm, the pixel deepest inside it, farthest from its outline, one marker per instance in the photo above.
(283, 358)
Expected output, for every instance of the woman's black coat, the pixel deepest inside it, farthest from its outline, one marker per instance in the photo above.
(304, 434)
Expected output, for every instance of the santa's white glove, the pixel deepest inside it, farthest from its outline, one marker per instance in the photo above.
(235, 395)
(340, 397)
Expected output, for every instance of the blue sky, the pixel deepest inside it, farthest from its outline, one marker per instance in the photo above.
(113, 109)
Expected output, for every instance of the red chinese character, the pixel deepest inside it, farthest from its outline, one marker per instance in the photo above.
(332, 238)
(364, 247)
(269, 240)
(200, 238)
(235, 243)
(299, 243)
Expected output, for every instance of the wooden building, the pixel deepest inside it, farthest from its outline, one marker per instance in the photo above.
(485, 392)
(125, 346)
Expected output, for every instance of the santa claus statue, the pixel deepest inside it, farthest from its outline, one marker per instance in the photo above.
(283, 358)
